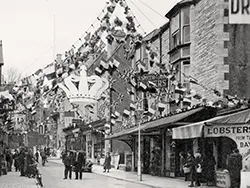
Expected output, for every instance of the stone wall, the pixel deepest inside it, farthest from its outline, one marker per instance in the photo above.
(238, 60)
(207, 47)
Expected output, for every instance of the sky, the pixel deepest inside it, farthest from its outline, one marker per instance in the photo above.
(33, 31)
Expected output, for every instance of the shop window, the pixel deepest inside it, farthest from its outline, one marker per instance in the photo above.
(186, 24)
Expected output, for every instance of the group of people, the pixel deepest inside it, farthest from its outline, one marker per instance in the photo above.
(76, 161)
(6, 161)
(196, 168)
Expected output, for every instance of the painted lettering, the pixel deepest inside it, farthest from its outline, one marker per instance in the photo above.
(244, 144)
(235, 6)
(245, 7)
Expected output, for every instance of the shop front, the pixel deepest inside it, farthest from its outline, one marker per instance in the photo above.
(159, 152)
(220, 136)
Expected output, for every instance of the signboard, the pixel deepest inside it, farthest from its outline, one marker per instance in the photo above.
(157, 81)
(239, 11)
(241, 135)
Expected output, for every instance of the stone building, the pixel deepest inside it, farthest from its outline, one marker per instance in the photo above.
(210, 59)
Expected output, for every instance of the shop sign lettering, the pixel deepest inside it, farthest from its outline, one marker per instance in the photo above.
(225, 130)
(239, 11)
(160, 81)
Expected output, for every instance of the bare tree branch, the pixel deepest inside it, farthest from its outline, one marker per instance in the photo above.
(13, 75)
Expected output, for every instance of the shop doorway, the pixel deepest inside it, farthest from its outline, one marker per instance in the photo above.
(224, 147)
(146, 155)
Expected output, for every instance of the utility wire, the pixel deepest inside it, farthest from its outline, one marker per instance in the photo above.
(38, 58)
(143, 14)
(153, 10)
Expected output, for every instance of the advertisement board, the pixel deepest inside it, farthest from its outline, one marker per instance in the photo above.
(239, 11)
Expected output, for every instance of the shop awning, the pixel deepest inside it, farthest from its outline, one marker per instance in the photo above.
(194, 130)
(155, 124)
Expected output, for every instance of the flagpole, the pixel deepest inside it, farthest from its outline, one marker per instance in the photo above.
(54, 36)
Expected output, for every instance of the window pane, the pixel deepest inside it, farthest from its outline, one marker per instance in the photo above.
(186, 70)
(174, 23)
(186, 16)
(186, 34)
(175, 39)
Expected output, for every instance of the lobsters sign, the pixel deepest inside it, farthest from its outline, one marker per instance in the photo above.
(239, 11)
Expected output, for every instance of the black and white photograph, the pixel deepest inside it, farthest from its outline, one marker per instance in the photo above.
(124, 93)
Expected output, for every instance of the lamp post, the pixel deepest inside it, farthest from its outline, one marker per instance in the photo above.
(139, 152)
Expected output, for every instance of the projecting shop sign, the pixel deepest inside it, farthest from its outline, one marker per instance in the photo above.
(239, 11)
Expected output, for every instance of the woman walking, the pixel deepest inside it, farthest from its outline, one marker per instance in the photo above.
(107, 163)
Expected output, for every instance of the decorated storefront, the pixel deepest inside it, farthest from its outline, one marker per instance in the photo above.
(220, 136)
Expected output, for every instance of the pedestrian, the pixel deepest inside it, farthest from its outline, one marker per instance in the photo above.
(79, 164)
(198, 164)
(209, 167)
(182, 163)
(190, 166)
(234, 168)
(21, 162)
(15, 158)
(107, 163)
(68, 163)
(37, 156)
(8, 160)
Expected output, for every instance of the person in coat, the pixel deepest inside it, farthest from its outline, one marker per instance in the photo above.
(107, 163)
(68, 163)
(209, 167)
(190, 164)
(234, 168)
(182, 163)
(78, 164)
(37, 156)
(15, 158)
(198, 164)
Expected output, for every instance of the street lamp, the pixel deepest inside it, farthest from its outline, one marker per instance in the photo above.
(139, 152)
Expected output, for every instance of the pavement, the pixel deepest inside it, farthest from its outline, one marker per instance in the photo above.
(14, 180)
(147, 180)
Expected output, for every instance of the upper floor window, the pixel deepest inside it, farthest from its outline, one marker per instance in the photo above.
(175, 31)
(186, 24)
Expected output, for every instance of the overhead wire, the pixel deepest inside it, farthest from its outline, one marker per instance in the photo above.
(153, 9)
(142, 13)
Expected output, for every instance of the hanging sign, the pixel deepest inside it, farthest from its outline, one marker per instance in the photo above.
(239, 11)
(156, 81)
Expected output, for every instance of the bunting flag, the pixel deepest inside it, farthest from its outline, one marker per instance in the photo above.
(142, 85)
(161, 105)
(180, 90)
(117, 114)
(187, 101)
(98, 71)
(116, 63)
(126, 113)
(132, 107)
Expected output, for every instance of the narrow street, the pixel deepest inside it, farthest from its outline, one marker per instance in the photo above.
(53, 178)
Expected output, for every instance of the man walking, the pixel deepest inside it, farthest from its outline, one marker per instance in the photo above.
(68, 162)
(79, 163)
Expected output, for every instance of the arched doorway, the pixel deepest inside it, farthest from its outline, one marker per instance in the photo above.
(221, 148)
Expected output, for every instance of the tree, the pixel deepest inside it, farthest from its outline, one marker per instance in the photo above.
(13, 75)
